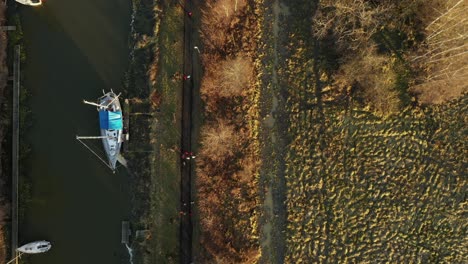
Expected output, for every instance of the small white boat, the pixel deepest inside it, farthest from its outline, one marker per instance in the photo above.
(111, 126)
(30, 2)
(35, 247)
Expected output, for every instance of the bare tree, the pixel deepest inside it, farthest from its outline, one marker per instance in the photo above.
(217, 18)
(352, 23)
(235, 76)
(228, 78)
(220, 141)
(445, 55)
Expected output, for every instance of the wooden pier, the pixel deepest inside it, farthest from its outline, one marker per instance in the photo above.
(125, 232)
(8, 28)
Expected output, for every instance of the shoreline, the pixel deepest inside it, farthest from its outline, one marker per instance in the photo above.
(12, 39)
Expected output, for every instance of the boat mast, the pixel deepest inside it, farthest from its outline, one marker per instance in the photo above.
(100, 105)
(93, 137)
(18, 255)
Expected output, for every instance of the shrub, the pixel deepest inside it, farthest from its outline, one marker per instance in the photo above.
(217, 18)
(374, 78)
(220, 141)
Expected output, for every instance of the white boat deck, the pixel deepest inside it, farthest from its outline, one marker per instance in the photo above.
(30, 2)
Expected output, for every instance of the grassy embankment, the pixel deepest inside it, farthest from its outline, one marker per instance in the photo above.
(369, 177)
(228, 160)
(7, 55)
(154, 86)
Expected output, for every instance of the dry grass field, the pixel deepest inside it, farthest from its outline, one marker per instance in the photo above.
(369, 177)
(363, 188)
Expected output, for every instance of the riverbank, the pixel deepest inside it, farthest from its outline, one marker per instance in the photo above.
(4, 209)
(154, 86)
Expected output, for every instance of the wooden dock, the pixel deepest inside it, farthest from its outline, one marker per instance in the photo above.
(8, 28)
(125, 232)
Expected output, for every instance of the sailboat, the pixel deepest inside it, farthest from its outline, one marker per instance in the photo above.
(111, 126)
(30, 2)
(35, 247)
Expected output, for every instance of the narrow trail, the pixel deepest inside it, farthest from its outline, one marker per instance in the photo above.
(186, 225)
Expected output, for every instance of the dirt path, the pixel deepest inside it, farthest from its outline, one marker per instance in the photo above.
(274, 220)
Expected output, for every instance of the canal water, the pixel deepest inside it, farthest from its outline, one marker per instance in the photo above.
(75, 49)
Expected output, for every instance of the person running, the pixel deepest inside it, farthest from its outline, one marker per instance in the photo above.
(192, 156)
(187, 155)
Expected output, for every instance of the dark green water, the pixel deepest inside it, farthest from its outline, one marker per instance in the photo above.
(75, 49)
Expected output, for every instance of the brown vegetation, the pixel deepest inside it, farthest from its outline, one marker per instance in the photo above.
(227, 163)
